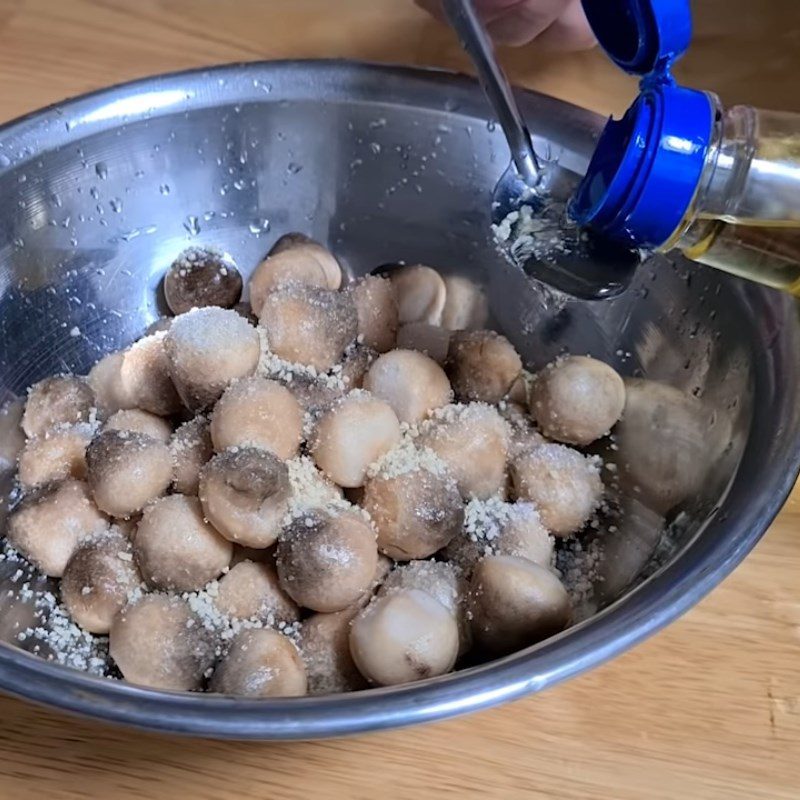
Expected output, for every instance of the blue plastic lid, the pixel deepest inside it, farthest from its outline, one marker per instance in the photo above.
(646, 166)
(641, 36)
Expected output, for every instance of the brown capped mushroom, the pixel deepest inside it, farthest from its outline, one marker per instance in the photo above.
(260, 663)
(160, 643)
(202, 276)
(126, 470)
(326, 560)
(516, 603)
(97, 580)
(245, 495)
(466, 307)
(49, 525)
(431, 340)
(60, 400)
(308, 325)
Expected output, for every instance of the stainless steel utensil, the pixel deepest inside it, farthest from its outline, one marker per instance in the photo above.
(100, 193)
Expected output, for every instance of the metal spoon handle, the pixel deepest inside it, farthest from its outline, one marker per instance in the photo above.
(480, 49)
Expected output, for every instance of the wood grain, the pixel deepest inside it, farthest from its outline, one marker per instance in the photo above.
(710, 708)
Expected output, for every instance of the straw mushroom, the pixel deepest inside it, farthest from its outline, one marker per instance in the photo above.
(209, 348)
(420, 294)
(577, 399)
(63, 399)
(326, 560)
(97, 580)
(191, 447)
(160, 643)
(126, 470)
(245, 494)
(202, 276)
(176, 548)
(515, 603)
(405, 635)
(259, 412)
(49, 524)
(260, 663)
(483, 365)
(325, 648)
(308, 325)
(139, 421)
(54, 455)
(377, 312)
(410, 382)
(251, 590)
(145, 376)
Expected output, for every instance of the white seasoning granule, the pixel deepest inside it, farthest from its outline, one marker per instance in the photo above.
(484, 519)
(407, 457)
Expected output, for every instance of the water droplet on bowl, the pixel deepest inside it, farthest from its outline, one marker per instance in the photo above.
(259, 226)
(294, 168)
(101, 169)
(164, 189)
(192, 225)
(116, 205)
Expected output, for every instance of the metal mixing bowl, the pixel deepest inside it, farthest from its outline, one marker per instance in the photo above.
(383, 164)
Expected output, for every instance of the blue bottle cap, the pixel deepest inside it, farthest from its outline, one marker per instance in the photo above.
(641, 36)
(646, 166)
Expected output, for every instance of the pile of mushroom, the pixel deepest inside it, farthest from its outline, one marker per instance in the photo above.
(358, 489)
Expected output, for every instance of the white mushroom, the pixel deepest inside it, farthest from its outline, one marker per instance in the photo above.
(105, 379)
(563, 484)
(577, 399)
(405, 635)
(176, 548)
(209, 348)
(258, 412)
(410, 382)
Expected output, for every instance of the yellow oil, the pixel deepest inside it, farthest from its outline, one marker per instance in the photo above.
(768, 254)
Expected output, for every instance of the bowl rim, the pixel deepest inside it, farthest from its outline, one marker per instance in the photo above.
(773, 442)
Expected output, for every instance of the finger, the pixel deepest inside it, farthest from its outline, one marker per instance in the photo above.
(525, 21)
(570, 31)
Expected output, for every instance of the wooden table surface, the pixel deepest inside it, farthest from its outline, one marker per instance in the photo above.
(709, 708)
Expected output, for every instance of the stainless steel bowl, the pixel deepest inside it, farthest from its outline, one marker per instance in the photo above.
(100, 193)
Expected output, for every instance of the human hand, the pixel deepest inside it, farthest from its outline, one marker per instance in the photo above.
(558, 24)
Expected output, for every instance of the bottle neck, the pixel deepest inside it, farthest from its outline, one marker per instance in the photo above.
(751, 174)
